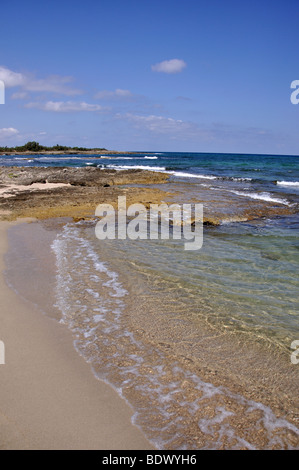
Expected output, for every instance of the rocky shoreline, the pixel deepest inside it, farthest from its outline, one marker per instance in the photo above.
(53, 192)
(72, 192)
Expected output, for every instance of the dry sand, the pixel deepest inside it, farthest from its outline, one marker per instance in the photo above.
(11, 189)
(49, 398)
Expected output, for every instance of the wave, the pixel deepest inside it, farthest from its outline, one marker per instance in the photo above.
(288, 183)
(242, 180)
(53, 158)
(191, 175)
(179, 173)
(118, 157)
(175, 172)
(262, 196)
(136, 167)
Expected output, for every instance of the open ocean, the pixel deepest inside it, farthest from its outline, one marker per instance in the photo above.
(197, 342)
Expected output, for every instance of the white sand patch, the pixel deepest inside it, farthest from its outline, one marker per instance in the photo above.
(12, 189)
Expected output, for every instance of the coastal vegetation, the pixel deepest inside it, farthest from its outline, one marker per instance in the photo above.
(33, 147)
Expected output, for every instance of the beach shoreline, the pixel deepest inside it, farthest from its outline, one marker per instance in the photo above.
(90, 279)
(49, 397)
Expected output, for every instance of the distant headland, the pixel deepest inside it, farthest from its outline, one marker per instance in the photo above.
(34, 147)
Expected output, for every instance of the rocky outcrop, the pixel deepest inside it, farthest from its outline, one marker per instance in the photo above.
(90, 176)
(78, 191)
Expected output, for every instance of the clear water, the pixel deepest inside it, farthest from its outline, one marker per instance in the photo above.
(199, 343)
(186, 337)
(260, 177)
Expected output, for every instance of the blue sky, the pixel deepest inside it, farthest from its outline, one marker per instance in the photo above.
(192, 75)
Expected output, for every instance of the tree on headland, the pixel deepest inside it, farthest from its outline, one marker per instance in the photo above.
(59, 148)
(33, 147)
(29, 147)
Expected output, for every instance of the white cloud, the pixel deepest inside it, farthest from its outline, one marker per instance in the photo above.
(117, 94)
(187, 130)
(6, 132)
(172, 128)
(65, 106)
(28, 82)
(169, 66)
(52, 84)
(155, 123)
(10, 78)
(19, 95)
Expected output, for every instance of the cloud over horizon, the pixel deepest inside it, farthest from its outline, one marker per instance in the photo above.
(169, 66)
(111, 95)
(7, 132)
(162, 125)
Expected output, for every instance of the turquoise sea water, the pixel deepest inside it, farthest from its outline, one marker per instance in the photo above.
(198, 342)
(259, 168)
(259, 177)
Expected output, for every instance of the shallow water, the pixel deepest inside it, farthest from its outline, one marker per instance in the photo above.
(188, 339)
(198, 342)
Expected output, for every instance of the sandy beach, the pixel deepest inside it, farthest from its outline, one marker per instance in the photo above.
(49, 398)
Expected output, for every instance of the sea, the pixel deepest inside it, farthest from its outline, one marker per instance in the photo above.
(202, 344)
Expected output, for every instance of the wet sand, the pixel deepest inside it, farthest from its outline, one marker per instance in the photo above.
(49, 397)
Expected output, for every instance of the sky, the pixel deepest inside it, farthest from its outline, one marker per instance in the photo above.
(167, 75)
